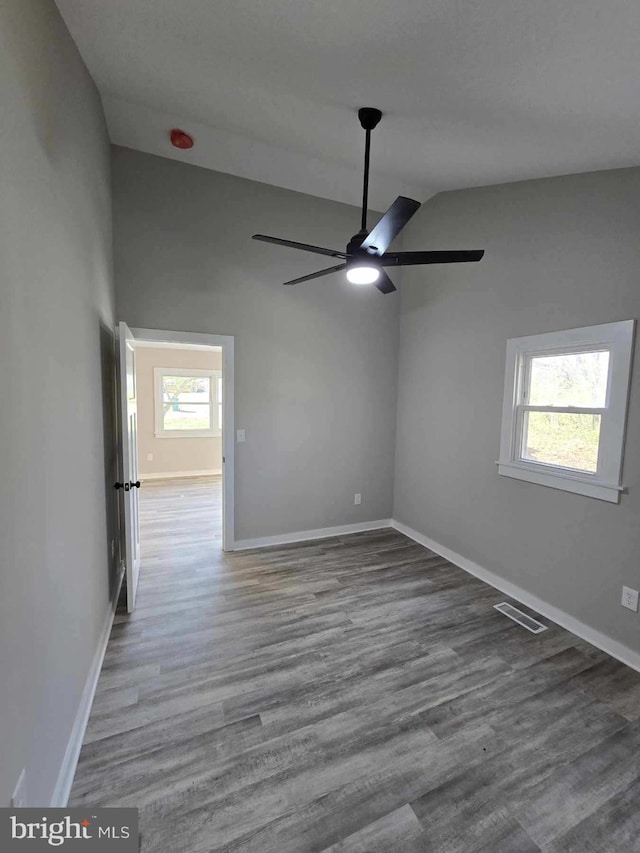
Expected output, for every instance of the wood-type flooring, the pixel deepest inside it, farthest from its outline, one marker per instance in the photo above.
(356, 694)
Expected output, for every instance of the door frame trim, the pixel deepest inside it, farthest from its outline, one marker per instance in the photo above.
(226, 342)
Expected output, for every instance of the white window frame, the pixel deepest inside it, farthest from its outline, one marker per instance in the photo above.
(214, 402)
(605, 483)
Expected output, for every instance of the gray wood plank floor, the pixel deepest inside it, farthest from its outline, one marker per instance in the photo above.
(354, 694)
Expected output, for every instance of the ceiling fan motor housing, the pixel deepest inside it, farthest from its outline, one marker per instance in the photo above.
(354, 244)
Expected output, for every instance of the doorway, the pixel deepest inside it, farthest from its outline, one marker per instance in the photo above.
(183, 444)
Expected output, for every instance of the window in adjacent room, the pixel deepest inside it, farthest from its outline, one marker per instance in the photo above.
(188, 402)
(565, 408)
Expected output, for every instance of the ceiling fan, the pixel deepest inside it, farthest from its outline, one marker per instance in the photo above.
(366, 254)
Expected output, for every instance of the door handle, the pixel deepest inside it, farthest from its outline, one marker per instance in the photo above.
(135, 485)
(118, 485)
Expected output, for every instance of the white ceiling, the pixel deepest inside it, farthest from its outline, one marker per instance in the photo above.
(474, 91)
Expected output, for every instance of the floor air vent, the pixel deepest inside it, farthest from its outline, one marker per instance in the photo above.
(521, 618)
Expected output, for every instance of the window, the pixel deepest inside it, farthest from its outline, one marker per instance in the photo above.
(188, 402)
(565, 408)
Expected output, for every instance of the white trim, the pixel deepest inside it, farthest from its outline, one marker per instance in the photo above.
(309, 535)
(171, 475)
(188, 434)
(601, 641)
(67, 771)
(566, 482)
(605, 484)
(226, 342)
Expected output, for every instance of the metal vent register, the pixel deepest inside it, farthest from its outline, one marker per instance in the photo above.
(521, 618)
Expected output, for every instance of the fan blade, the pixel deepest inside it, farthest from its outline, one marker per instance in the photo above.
(304, 247)
(391, 224)
(316, 274)
(404, 259)
(384, 283)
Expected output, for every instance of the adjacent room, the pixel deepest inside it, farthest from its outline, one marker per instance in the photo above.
(179, 444)
(321, 483)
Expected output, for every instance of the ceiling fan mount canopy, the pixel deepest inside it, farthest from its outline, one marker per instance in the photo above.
(366, 252)
(369, 117)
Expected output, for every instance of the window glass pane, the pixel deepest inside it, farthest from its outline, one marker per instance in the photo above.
(185, 416)
(219, 415)
(567, 440)
(571, 379)
(185, 389)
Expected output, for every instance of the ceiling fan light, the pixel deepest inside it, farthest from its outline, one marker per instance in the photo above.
(363, 274)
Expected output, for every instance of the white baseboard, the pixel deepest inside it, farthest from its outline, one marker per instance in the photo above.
(175, 475)
(307, 535)
(602, 641)
(72, 753)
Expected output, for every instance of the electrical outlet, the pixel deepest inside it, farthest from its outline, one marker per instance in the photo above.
(149, 457)
(357, 498)
(630, 598)
(19, 797)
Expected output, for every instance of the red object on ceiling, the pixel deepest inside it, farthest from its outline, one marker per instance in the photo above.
(181, 139)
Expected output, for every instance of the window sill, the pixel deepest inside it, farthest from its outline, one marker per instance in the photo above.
(188, 434)
(566, 482)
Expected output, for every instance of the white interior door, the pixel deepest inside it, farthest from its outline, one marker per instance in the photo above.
(129, 484)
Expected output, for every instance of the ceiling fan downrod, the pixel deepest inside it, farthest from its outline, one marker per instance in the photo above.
(369, 118)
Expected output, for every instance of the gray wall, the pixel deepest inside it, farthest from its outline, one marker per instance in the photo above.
(560, 253)
(56, 316)
(315, 364)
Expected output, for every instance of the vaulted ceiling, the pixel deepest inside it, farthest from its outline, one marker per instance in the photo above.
(474, 91)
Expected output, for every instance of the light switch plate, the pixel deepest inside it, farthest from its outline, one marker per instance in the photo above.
(240, 436)
(357, 498)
